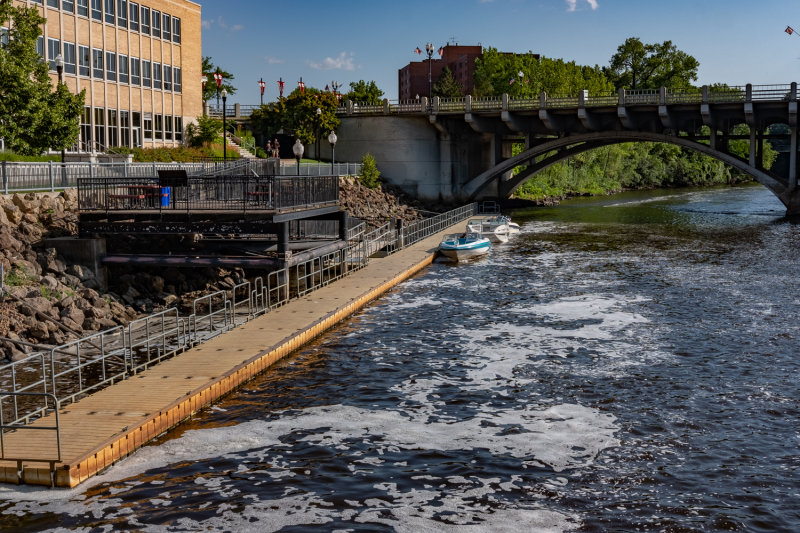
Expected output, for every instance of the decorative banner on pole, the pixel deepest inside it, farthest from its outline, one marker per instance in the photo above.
(204, 80)
(218, 79)
(301, 85)
(262, 85)
(280, 86)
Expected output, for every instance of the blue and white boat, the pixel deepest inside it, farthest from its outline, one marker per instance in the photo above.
(461, 247)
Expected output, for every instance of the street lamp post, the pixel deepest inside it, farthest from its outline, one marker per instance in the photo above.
(319, 128)
(262, 85)
(298, 149)
(332, 139)
(204, 80)
(429, 51)
(224, 127)
(60, 70)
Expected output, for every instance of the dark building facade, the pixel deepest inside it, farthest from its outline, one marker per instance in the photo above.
(413, 78)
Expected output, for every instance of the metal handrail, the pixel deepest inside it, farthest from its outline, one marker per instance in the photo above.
(16, 426)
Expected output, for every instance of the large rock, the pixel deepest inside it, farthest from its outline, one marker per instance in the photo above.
(73, 314)
(13, 213)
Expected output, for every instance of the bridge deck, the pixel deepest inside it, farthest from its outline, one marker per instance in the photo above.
(105, 427)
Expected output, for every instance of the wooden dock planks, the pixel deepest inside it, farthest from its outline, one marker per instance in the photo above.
(106, 426)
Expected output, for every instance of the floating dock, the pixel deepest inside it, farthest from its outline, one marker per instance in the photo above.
(107, 426)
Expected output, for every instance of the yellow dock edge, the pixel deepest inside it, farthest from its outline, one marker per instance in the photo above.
(122, 444)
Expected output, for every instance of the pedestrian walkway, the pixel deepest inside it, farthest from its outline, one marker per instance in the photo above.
(103, 428)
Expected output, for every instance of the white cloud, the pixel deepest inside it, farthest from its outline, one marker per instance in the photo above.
(341, 62)
(237, 27)
(273, 60)
(206, 24)
(572, 5)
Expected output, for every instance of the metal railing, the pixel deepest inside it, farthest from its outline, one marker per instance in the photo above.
(41, 383)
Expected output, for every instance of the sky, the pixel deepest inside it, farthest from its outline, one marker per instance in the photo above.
(735, 41)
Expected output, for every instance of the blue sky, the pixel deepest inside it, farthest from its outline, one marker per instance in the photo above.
(735, 41)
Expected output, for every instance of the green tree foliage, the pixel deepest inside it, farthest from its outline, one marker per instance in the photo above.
(267, 120)
(364, 92)
(33, 115)
(637, 65)
(205, 131)
(370, 176)
(526, 76)
(301, 118)
(210, 90)
(447, 86)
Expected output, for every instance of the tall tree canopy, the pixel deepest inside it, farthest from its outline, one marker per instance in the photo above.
(447, 86)
(33, 116)
(527, 75)
(297, 115)
(364, 92)
(637, 65)
(210, 90)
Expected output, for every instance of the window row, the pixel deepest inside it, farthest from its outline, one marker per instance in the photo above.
(113, 67)
(125, 14)
(106, 128)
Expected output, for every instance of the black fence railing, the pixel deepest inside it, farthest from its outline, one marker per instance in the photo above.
(207, 193)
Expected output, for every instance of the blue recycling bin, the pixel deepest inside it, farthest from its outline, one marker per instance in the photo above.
(166, 196)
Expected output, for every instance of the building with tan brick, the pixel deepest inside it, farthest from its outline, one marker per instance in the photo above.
(139, 62)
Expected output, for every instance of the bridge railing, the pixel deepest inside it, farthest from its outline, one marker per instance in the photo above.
(771, 92)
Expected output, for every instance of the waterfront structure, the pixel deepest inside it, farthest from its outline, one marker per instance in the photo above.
(136, 61)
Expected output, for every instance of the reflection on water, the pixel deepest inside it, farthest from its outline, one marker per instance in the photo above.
(625, 363)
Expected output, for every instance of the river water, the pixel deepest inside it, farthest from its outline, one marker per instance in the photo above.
(627, 363)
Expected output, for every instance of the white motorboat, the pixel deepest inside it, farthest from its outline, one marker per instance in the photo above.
(464, 246)
(494, 228)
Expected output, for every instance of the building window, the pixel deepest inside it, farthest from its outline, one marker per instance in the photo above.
(99, 129)
(146, 20)
(123, 69)
(111, 66)
(97, 9)
(53, 49)
(156, 75)
(156, 24)
(97, 63)
(137, 129)
(68, 6)
(125, 128)
(146, 81)
(83, 8)
(122, 13)
(136, 78)
(159, 127)
(52, 3)
(168, 127)
(167, 78)
(4, 36)
(83, 60)
(134, 17)
(176, 30)
(110, 11)
(69, 58)
(148, 126)
(86, 130)
(176, 72)
(178, 128)
(113, 136)
(167, 27)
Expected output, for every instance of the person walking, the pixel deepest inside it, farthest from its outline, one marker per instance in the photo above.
(268, 149)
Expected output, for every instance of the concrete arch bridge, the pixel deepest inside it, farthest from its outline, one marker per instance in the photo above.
(460, 149)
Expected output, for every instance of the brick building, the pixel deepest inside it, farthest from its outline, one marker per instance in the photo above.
(140, 63)
(413, 78)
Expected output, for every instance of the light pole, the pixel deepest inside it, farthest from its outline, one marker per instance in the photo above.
(60, 70)
(262, 85)
(429, 51)
(319, 128)
(332, 139)
(204, 80)
(298, 153)
(224, 127)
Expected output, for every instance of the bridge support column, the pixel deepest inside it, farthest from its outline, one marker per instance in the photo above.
(753, 150)
(283, 237)
(793, 160)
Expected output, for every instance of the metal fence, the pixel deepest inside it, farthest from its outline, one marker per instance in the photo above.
(43, 382)
(53, 176)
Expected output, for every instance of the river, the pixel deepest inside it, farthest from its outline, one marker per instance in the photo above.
(627, 363)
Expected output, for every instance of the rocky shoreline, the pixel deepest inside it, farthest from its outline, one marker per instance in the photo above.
(48, 301)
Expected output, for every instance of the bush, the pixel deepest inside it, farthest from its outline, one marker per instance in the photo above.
(370, 176)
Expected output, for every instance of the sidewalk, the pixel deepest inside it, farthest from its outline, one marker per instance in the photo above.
(104, 427)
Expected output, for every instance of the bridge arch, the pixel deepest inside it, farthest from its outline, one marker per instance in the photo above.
(565, 147)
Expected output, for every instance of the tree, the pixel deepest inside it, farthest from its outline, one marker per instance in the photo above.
(364, 93)
(301, 117)
(447, 86)
(207, 130)
(269, 119)
(33, 116)
(636, 65)
(210, 90)
(370, 176)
